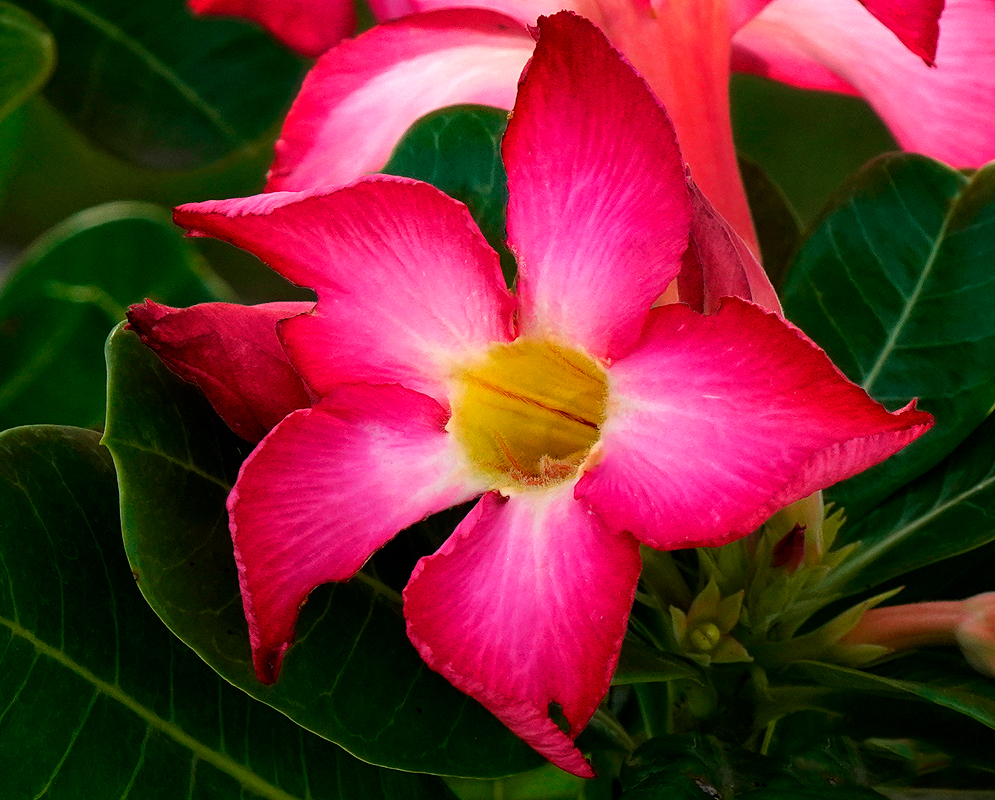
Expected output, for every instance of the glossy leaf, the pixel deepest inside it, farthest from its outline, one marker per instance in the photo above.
(27, 55)
(352, 676)
(98, 699)
(948, 511)
(458, 150)
(897, 285)
(946, 681)
(66, 293)
(670, 766)
(153, 85)
(777, 225)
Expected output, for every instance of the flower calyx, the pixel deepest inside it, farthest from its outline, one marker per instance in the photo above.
(703, 633)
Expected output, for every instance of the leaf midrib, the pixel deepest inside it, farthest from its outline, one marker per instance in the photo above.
(155, 65)
(910, 303)
(250, 780)
(864, 556)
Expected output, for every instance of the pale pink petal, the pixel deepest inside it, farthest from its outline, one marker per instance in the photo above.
(406, 282)
(944, 112)
(715, 422)
(525, 606)
(598, 208)
(232, 354)
(361, 97)
(718, 263)
(328, 487)
(309, 27)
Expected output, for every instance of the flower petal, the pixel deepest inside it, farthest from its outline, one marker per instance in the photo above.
(362, 96)
(328, 487)
(526, 11)
(309, 27)
(405, 280)
(916, 23)
(836, 45)
(232, 354)
(598, 208)
(525, 606)
(718, 263)
(715, 422)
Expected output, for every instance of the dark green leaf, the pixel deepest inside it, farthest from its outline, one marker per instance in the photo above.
(151, 84)
(98, 699)
(668, 786)
(11, 138)
(70, 288)
(933, 678)
(640, 663)
(458, 150)
(778, 229)
(715, 769)
(897, 285)
(352, 676)
(812, 793)
(948, 511)
(545, 783)
(27, 55)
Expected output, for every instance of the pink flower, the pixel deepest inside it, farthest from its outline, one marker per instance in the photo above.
(361, 97)
(308, 26)
(588, 420)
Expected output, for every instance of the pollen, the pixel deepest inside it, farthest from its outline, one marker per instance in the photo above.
(529, 412)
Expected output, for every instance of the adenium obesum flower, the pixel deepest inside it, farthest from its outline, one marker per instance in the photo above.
(362, 96)
(586, 419)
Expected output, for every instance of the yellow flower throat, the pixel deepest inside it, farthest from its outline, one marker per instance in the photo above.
(529, 412)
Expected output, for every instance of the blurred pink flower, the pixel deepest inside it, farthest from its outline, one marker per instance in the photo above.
(361, 97)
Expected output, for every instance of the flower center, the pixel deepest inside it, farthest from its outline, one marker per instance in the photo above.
(529, 412)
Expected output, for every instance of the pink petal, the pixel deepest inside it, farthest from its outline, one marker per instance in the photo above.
(232, 354)
(526, 11)
(834, 44)
(525, 606)
(715, 422)
(718, 263)
(405, 281)
(362, 96)
(328, 487)
(916, 23)
(598, 212)
(308, 26)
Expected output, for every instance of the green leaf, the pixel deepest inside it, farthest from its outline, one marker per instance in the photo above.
(458, 150)
(640, 663)
(695, 766)
(352, 676)
(98, 699)
(944, 680)
(153, 85)
(27, 56)
(67, 292)
(545, 783)
(916, 525)
(897, 285)
(778, 228)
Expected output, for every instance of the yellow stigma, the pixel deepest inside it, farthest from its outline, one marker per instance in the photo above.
(529, 412)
